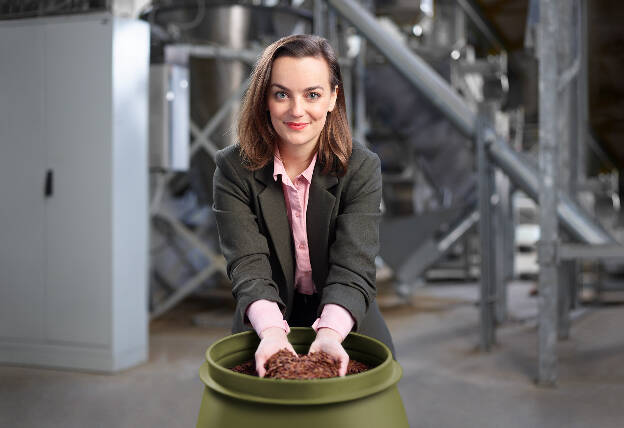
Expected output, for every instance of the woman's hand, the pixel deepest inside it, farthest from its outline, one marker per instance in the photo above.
(272, 340)
(329, 340)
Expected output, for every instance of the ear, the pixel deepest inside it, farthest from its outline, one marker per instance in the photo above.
(332, 99)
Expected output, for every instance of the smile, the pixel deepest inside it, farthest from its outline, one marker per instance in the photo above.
(296, 126)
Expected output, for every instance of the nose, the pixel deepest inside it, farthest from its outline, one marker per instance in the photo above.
(296, 107)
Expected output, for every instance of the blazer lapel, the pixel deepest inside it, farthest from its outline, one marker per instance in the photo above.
(274, 214)
(318, 218)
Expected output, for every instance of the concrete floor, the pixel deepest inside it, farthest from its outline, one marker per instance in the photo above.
(447, 382)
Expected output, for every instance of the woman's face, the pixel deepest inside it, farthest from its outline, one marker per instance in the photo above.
(299, 98)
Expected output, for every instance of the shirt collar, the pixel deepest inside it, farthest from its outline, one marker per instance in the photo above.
(279, 169)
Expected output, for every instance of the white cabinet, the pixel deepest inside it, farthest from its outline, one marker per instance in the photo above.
(74, 263)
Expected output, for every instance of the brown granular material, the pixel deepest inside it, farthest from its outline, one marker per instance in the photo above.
(318, 365)
(248, 367)
(355, 367)
(284, 365)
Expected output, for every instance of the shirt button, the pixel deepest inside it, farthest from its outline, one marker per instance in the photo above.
(297, 215)
(302, 246)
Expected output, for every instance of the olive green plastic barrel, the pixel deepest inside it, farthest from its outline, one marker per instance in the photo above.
(235, 400)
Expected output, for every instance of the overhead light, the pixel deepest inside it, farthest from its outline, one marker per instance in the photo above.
(455, 54)
(417, 30)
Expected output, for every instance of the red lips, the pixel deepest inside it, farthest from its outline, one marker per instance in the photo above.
(296, 125)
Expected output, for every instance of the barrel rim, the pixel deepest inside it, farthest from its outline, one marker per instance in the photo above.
(298, 392)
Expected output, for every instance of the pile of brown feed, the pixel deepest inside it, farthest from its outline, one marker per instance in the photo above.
(284, 365)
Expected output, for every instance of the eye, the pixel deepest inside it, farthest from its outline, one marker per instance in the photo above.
(314, 95)
(281, 95)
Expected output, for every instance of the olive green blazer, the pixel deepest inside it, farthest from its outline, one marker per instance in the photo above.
(342, 224)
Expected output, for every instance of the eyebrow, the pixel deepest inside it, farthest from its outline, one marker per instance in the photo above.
(311, 88)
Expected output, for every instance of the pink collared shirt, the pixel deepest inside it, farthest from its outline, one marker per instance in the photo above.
(263, 313)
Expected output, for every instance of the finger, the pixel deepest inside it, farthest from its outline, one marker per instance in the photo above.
(344, 362)
(292, 350)
(261, 371)
(312, 349)
(260, 366)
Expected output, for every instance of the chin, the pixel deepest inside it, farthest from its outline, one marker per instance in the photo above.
(298, 140)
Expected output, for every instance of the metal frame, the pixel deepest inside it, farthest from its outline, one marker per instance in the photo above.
(556, 204)
(487, 228)
(549, 105)
(179, 54)
(569, 55)
(413, 68)
(581, 251)
(579, 223)
(505, 236)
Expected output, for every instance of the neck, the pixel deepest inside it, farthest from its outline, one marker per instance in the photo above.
(296, 158)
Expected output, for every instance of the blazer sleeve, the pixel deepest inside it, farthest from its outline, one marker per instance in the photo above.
(351, 275)
(245, 249)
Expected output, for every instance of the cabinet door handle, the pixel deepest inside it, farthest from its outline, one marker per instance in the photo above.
(49, 183)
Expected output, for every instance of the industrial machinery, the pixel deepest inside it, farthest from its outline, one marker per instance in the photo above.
(446, 93)
(450, 106)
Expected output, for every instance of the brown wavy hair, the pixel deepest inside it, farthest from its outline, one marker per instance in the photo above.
(256, 135)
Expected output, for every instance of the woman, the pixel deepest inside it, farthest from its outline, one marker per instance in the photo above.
(297, 206)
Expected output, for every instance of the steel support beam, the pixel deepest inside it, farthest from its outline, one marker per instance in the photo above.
(567, 277)
(487, 228)
(568, 58)
(580, 251)
(582, 82)
(503, 241)
(549, 106)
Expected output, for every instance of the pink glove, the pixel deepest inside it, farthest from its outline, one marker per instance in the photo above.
(272, 340)
(329, 340)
